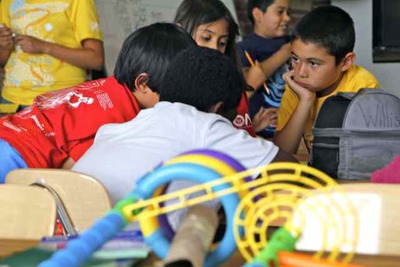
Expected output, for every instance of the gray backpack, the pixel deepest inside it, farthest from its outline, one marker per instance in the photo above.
(356, 134)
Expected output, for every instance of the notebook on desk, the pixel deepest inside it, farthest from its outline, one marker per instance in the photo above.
(123, 250)
(32, 257)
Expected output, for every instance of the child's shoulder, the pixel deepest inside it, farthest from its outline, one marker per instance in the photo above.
(360, 73)
(254, 42)
(357, 77)
(255, 38)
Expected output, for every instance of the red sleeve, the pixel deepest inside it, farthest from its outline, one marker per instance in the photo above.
(77, 151)
(243, 120)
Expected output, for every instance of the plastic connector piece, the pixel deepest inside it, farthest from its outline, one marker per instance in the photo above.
(281, 240)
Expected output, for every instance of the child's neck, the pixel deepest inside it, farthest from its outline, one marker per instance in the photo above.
(262, 33)
(329, 90)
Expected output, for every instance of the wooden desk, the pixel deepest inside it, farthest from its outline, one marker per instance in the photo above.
(236, 261)
(8, 246)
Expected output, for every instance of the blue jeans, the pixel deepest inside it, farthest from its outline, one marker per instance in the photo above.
(10, 160)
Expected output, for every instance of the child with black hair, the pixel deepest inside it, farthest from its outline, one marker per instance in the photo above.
(60, 126)
(201, 89)
(264, 55)
(323, 65)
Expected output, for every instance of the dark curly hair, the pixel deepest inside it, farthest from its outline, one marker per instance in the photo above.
(202, 77)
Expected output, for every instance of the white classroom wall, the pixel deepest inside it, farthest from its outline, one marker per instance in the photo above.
(119, 18)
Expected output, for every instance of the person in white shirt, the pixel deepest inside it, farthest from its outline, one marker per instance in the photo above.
(199, 95)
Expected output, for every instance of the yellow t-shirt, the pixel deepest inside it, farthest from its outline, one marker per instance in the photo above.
(65, 22)
(354, 79)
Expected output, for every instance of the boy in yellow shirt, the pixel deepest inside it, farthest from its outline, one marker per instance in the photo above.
(322, 65)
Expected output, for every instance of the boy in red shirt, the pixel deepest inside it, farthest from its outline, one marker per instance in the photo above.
(60, 126)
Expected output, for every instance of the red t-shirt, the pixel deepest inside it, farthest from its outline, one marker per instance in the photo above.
(243, 120)
(63, 123)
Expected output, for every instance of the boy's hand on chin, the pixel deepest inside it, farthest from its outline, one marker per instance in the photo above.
(302, 92)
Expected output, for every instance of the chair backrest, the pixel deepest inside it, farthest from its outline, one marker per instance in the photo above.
(85, 198)
(377, 213)
(26, 212)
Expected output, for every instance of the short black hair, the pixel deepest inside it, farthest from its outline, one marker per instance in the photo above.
(330, 27)
(202, 77)
(260, 4)
(193, 13)
(149, 50)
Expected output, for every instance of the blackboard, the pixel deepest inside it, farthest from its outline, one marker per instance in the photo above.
(119, 18)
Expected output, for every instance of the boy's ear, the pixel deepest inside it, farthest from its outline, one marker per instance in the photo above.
(257, 13)
(141, 82)
(217, 108)
(348, 61)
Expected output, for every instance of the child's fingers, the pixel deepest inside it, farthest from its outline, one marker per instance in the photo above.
(5, 32)
(20, 38)
(260, 112)
(265, 117)
(288, 76)
(273, 120)
(271, 111)
(269, 114)
(261, 120)
(301, 92)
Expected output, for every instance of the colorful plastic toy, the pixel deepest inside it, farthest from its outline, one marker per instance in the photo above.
(250, 206)
(223, 163)
(290, 192)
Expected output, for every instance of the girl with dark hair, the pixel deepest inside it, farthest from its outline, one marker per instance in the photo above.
(212, 25)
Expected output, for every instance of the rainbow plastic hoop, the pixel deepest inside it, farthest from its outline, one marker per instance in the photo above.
(193, 172)
(221, 156)
(222, 163)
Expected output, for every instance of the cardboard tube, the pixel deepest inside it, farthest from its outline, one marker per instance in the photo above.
(193, 238)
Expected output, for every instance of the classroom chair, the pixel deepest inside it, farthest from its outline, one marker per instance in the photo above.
(81, 199)
(376, 207)
(26, 212)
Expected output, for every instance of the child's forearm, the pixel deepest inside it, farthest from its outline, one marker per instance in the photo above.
(68, 164)
(271, 64)
(284, 156)
(290, 136)
(256, 75)
(91, 56)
